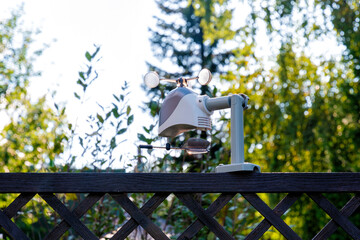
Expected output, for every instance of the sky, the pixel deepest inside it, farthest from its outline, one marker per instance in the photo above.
(70, 28)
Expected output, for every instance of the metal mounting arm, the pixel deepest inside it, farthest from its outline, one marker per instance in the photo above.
(237, 103)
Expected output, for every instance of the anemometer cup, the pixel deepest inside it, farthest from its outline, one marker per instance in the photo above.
(204, 77)
(152, 79)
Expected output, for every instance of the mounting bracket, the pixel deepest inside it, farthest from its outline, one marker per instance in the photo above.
(237, 103)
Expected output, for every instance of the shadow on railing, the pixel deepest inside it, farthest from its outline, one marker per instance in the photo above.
(183, 186)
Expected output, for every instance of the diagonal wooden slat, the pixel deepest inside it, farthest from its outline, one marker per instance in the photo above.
(18, 203)
(79, 211)
(9, 212)
(272, 217)
(212, 210)
(69, 217)
(11, 227)
(204, 217)
(346, 211)
(147, 209)
(139, 216)
(279, 210)
(334, 213)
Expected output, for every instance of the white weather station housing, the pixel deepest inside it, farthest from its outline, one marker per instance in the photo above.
(184, 110)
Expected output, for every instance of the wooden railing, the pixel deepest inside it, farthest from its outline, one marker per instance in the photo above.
(183, 186)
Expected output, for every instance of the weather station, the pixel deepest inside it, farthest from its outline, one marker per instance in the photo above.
(184, 110)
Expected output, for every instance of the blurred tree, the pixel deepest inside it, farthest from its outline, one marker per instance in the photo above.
(305, 108)
(33, 135)
(192, 35)
(345, 17)
(194, 38)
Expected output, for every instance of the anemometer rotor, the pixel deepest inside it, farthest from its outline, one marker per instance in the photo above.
(152, 79)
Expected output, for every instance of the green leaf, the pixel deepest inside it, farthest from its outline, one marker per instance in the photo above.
(113, 143)
(130, 120)
(141, 137)
(81, 74)
(115, 112)
(77, 95)
(84, 85)
(102, 108)
(108, 115)
(81, 141)
(146, 130)
(96, 51)
(121, 131)
(51, 164)
(117, 99)
(116, 107)
(128, 110)
(88, 56)
(100, 118)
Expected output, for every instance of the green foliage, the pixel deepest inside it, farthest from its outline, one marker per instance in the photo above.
(197, 42)
(105, 127)
(345, 17)
(33, 135)
(304, 113)
(33, 139)
(194, 43)
(15, 65)
(306, 129)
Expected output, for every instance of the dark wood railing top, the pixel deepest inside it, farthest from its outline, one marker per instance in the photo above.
(243, 182)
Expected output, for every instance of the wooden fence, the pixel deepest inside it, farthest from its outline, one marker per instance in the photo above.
(183, 186)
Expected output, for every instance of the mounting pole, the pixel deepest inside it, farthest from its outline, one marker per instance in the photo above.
(237, 130)
(237, 103)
